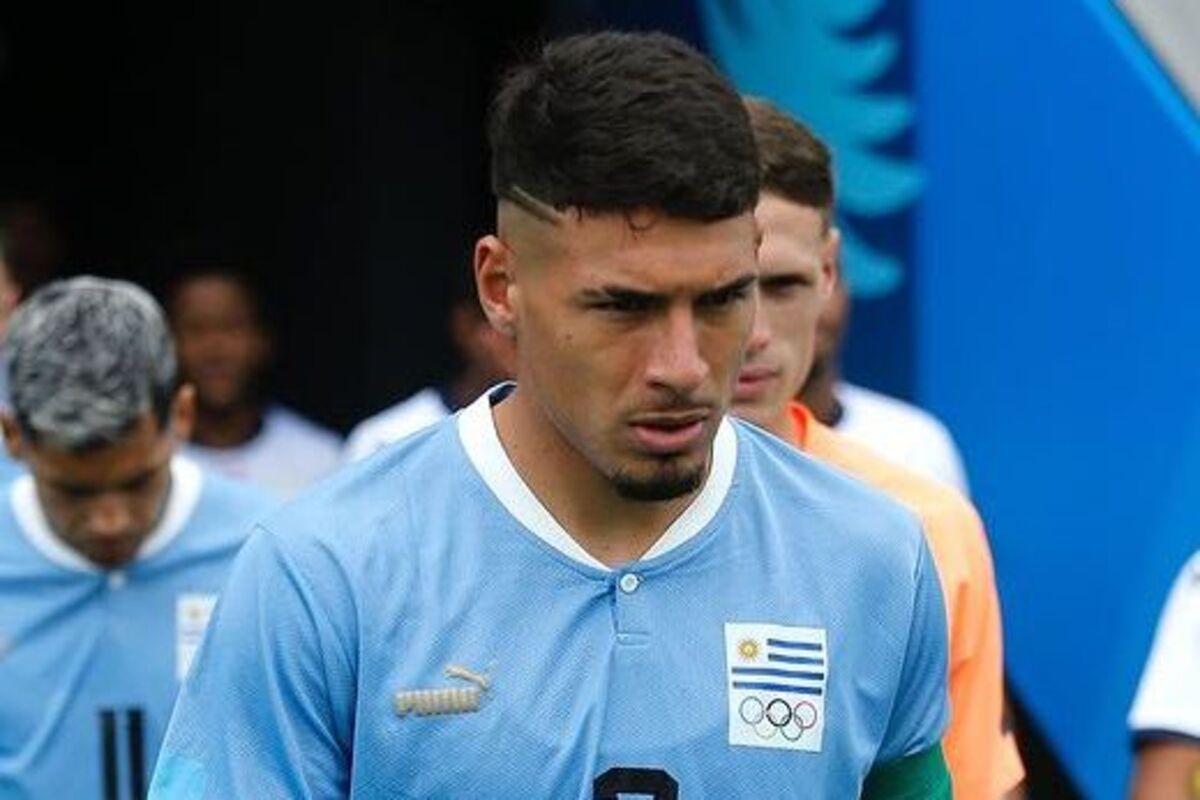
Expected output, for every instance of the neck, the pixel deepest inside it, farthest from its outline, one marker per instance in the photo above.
(818, 393)
(611, 528)
(231, 427)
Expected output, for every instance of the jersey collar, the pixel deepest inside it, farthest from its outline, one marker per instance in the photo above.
(186, 482)
(477, 432)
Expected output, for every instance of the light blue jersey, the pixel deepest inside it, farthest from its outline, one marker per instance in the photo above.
(422, 627)
(91, 660)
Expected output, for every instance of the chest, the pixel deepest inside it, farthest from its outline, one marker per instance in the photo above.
(89, 669)
(712, 681)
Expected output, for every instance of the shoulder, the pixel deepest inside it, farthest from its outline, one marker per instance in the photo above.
(221, 497)
(869, 408)
(1168, 696)
(367, 507)
(408, 416)
(826, 507)
(902, 432)
(952, 525)
(284, 422)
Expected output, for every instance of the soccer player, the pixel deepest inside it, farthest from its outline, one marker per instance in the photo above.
(112, 549)
(591, 584)
(897, 430)
(1166, 713)
(21, 272)
(485, 358)
(796, 275)
(224, 349)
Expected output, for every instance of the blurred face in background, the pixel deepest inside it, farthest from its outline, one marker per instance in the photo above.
(221, 344)
(796, 278)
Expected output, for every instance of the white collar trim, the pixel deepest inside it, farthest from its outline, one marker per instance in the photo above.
(477, 432)
(186, 483)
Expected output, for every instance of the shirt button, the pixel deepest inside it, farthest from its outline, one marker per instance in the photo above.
(116, 580)
(629, 583)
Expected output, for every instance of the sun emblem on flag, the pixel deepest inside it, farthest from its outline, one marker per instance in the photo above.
(748, 649)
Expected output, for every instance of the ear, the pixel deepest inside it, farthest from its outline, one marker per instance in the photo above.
(496, 283)
(13, 440)
(831, 255)
(183, 413)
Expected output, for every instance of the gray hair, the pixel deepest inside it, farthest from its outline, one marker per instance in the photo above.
(87, 358)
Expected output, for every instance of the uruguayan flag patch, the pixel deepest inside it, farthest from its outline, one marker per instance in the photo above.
(776, 677)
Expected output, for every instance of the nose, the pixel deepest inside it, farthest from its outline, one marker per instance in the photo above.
(109, 517)
(760, 335)
(676, 362)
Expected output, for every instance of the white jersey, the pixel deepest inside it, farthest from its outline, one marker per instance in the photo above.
(289, 453)
(1168, 698)
(391, 425)
(900, 432)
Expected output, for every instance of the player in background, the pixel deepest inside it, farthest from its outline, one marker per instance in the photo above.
(896, 430)
(485, 357)
(797, 273)
(224, 350)
(112, 548)
(1165, 718)
(593, 583)
(23, 268)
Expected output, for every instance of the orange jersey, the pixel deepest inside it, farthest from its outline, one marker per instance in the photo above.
(983, 759)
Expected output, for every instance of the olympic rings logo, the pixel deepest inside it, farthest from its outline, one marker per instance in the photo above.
(778, 717)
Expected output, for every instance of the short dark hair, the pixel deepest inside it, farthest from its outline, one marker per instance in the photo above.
(611, 122)
(795, 164)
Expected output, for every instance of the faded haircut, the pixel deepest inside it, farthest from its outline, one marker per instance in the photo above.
(614, 122)
(87, 359)
(796, 165)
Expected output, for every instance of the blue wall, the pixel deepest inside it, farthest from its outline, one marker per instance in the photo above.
(1058, 268)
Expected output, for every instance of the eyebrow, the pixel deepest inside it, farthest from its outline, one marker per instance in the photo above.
(614, 292)
(83, 488)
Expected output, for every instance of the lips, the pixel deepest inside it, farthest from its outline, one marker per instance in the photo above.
(752, 383)
(665, 434)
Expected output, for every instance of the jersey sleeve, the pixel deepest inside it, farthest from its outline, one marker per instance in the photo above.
(1168, 698)
(266, 710)
(920, 776)
(981, 755)
(920, 709)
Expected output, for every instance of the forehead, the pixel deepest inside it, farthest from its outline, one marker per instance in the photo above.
(140, 449)
(648, 251)
(211, 294)
(792, 234)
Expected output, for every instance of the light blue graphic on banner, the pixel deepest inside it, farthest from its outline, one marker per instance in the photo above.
(809, 59)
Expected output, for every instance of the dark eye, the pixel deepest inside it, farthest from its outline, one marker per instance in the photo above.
(725, 298)
(783, 285)
(625, 304)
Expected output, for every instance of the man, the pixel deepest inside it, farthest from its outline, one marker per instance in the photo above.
(796, 274)
(896, 430)
(224, 349)
(21, 272)
(112, 549)
(1166, 713)
(485, 358)
(591, 584)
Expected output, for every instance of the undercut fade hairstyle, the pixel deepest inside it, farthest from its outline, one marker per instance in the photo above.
(613, 122)
(87, 358)
(795, 164)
